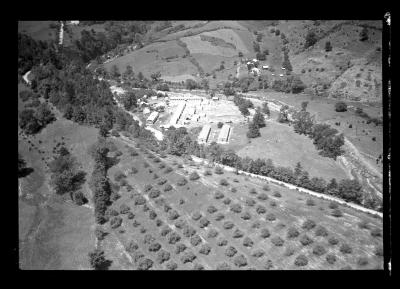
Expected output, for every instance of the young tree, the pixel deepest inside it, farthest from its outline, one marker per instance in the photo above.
(304, 105)
(286, 62)
(98, 261)
(240, 54)
(283, 114)
(115, 71)
(156, 76)
(328, 46)
(350, 190)
(311, 39)
(256, 47)
(341, 106)
(253, 131)
(265, 109)
(364, 34)
(298, 169)
(258, 119)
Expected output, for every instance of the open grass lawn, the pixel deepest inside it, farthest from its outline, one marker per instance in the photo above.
(282, 145)
(207, 234)
(54, 234)
(324, 110)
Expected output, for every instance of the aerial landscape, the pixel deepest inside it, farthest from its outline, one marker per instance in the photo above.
(200, 145)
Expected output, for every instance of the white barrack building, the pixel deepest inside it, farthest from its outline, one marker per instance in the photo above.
(152, 117)
(204, 134)
(223, 136)
(177, 114)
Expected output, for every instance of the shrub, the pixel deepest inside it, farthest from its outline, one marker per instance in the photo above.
(211, 209)
(187, 257)
(230, 251)
(155, 176)
(378, 251)
(266, 187)
(159, 223)
(173, 238)
(258, 253)
(205, 249)
(135, 223)
(152, 215)
(218, 170)
(143, 230)
(161, 182)
(277, 241)
(167, 188)
(181, 224)
(223, 182)
(362, 261)
(204, 222)
(228, 225)
(308, 224)
(301, 260)
(147, 188)
(219, 217)
(306, 240)
(270, 217)
(272, 204)
(167, 208)
(145, 208)
(261, 210)
(154, 247)
(124, 209)
(310, 202)
(237, 234)
(333, 241)
(161, 166)
(333, 205)
(146, 164)
(198, 266)
(376, 232)
(227, 201)
(346, 249)
(118, 176)
(132, 247)
(196, 216)
(145, 264)
(292, 233)
(250, 202)
(253, 191)
(140, 200)
(341, 106)
(173, 215)
(100, 234)
(188, 231)
(180, 247)
(240, 261)
(289, 251)
(181, 182)
(115, 222)
(277, 194)
(167, 170)
(207, 173)
(236, 208)
(155, 193)
(246, 216)
(218, 195)
(172, 265)
(163, 256)
(137, 256)
(223, 266)
(262, 196)
(256, 225)
(331, 258)
(222, 242)
(194, 176)
(337, 213)
(321, 231)
(319, 250)
(247, 242)
(265, 233)
(212, 233)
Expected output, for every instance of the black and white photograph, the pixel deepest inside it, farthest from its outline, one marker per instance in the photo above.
(204, 145)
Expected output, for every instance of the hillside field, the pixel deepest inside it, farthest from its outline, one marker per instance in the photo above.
(257, 228)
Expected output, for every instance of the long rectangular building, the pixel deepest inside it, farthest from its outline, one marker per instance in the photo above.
(204, 134)
(177, 114)
(152, 117)
(224, 134)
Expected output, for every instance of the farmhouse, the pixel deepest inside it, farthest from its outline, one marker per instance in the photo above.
(204, 134)
(152, 117)
(224, 134)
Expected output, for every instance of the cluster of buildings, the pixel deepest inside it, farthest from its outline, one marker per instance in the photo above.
(223, 136)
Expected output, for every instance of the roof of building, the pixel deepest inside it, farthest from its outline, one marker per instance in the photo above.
(204, 132)
(223, 134)
(153, 116)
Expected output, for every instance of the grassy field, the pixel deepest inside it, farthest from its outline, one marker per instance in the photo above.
(281, 144)
(323, 109)
(152, 233)
(53, 234)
